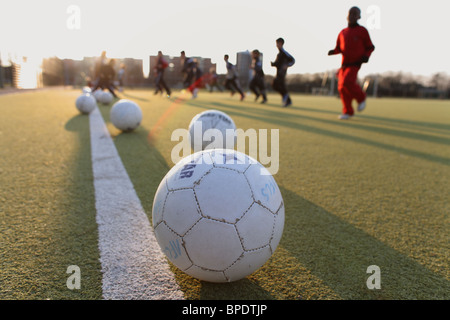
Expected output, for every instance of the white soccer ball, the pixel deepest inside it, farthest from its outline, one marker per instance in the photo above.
(212, 129)
(86, 89)
(106, 97)
(218, 215)
(97, 94)
(126, 115)
(85, 103)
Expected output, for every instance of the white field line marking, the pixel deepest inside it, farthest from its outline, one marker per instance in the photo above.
(133, 265)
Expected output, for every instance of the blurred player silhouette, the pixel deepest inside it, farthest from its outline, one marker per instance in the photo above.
(121, 76)
(231, 81)
(101, 61)
(187, 69)
(355, 45)
(257, 85)
(283, 61)
(213, 83)
(106, 76)
(198, 79)
(193, 79)
(160, 84)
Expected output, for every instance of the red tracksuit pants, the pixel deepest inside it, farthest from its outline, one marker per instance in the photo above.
(349, 88)
(197, 84)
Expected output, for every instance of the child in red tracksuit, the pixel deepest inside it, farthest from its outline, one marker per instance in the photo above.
(356, 47)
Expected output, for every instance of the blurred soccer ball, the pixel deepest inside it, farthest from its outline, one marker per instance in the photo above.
(217, 217)
(97, 94)
(126, 115)
(87, 90)
(106, 97)
(85, 103)
(219, 128)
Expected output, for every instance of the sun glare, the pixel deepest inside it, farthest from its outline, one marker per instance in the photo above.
(29, 73)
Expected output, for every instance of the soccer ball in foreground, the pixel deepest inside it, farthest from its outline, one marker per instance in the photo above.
(212, 119)
(126, 115)
(85, 103)
(218, 215)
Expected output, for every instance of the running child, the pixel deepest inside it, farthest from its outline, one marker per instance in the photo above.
(257, 85)
(283, 61)
(231, 81)
(160, 84)
(355, 45)
(198, 79)
(106, 77)
(188, 65)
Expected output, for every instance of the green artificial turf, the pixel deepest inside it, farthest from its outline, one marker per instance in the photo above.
(47, 212)
(369, 191)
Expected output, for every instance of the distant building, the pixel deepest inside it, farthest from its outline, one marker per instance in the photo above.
(6, 78)
(134, 73)
(70, 72)
(243, 66)
(52, 72)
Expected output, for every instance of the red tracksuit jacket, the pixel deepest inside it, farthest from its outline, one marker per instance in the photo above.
(355, 45)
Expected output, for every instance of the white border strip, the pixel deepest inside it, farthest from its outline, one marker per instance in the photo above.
(133, 265)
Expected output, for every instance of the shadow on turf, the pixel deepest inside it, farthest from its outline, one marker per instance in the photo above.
(339, 253)
(78, 237)
(366, 126)
(443, 128)
(77, 123)
(437, 127)
(129, 96)
(283, 119)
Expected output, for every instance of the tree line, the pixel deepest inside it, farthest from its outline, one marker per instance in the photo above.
(388, 84)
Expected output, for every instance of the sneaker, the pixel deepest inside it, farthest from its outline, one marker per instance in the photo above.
(264, 101)
(242, 97)
(287, 102)
(345, 116)
(256, 97)
(362, 106)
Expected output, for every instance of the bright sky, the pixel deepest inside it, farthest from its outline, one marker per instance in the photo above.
(410, 36)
